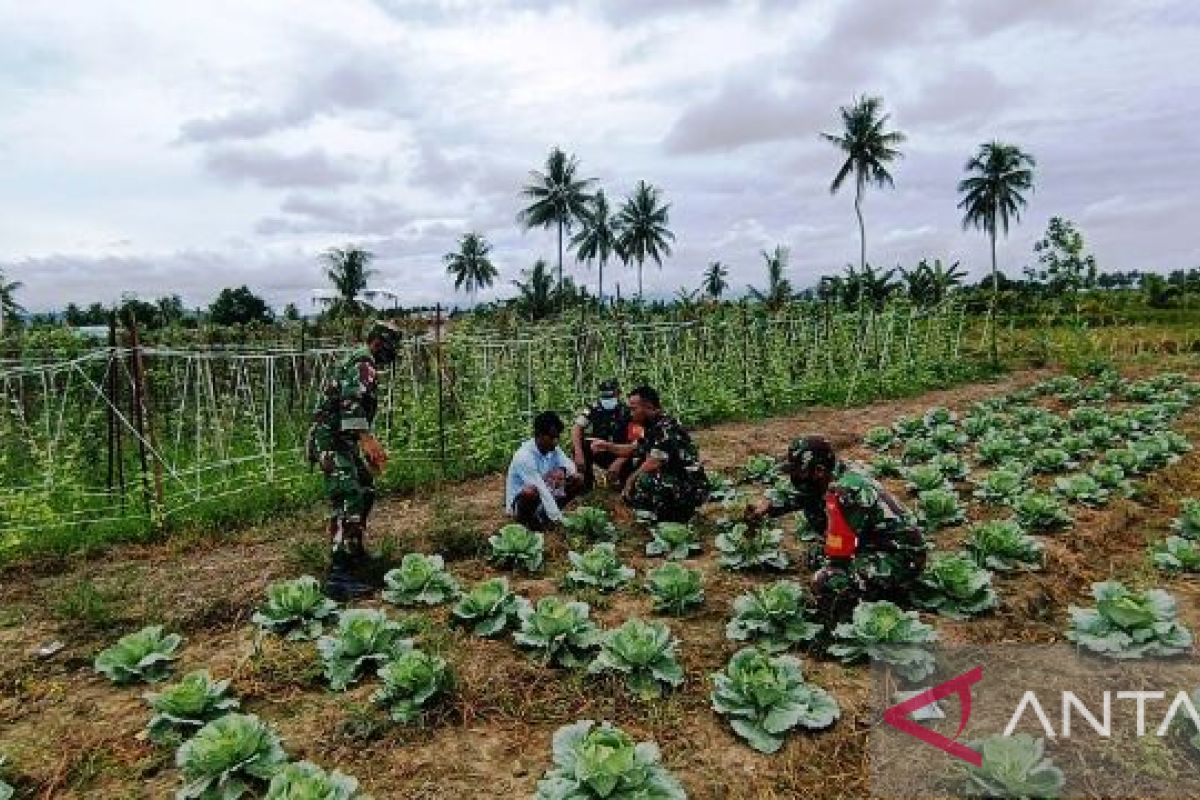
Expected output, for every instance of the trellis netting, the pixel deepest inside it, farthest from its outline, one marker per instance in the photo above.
(89, 452)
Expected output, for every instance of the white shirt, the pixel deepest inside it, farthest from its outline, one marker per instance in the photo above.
(529, 467)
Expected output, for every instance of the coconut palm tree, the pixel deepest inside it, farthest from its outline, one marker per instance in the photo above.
(348, 269)
(644, 232)
(715, 282)
(8, 305)
(599, 237)
(868, 148)
(991, 196)
(535, 295)
(779, 288)
(470, 266)
(558, 198)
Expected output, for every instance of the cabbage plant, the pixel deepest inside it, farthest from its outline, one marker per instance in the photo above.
(1086, 417)
(947, 438)
(1000, 486)
(908, 427)
(743, 546)
(1083, 489)
(558, 632)
(420, 580)
(782, 493)
(304, 780)
(918, 451)
(675, 588)
(1039, 433)
(1100, 437)
(6, 791)
(599, 568)
(644, 652)
(1177, 443)
(882, 631)
(1153, 453)
(760, 469)
(1076, 446)
(1126, 624)
(996, 448)
(592, 524)
(775, 617)
(410, 681)
(674, 540)
(886, 466)
(602, 762)
(939, 415)
(295, 609)
(184, 707)
(765, 696)
(230, 757)
(145, 656)
(364, 638)
(1041, 512)
(1051, 459)
(952, 466)
(939, 508)
(1003, 546)
(955, 586)
(1187, 524)
(1112, 478)
(925, 477)
(879, 438)
(489, 607)
(1177, 554)
(515, 546)
(977, 426)
(1123, 457)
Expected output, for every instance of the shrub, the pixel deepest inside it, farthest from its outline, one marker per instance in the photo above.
(296, 609)
(515, 546)
(364, 637)
(644, 652)
(558, 632)
(775, 617)
(420, 580)
(674, 540)
(1127, 624)
(596, 762)
(489, 607)
(675, 588)
(881, 631)
(599, 568)
(1003, 546)
(142, 656)
(955, 586)
(184, 707)
(228, 758)
(410, 681)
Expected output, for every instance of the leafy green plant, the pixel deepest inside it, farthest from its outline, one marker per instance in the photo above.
(882, 631)
(955, 586)
(996, 449)
(644, 652)
(743, 546)
(1000, 486)
(1187, 524)
(1039, 433)
(419, 580)
(765, 696)
(947, 438)
(722, 490)
(939, 415)
(782, 493)
(410, 681)
(1075, 446)
(977, 426)
(489, 607)
(364, 637)
(675, 588)
(516, 546)
(304, 780)
(1126, 624)
(760, 469)
(599, 568)
(674, 540)
(1051, 459)
(1177, 443)
(1112, 478)
(296, 609)
(939, 508)
(1177, 554)
(602, 762)
(229, 758)
(184, 707)
(1086, 417)
(879, 438)
(1100, 437)
(1153, 452)
(1002, 545)
(1123, 457)
(953, 466)
(886, 467)
(918, 451)
(592, 524)
(145, 655)
(909, 427)
(558, 632)
(6, 791)
(1082, 489)
(925, 477)
(775, 617)
(1041, 512)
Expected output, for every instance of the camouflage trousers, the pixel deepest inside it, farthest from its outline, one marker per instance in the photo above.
(350, 489)
(841, 584)
(668, 498)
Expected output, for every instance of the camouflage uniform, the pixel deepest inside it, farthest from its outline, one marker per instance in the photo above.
(679, 487)
(611, 425)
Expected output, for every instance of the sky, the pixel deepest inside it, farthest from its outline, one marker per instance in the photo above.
(161, 148)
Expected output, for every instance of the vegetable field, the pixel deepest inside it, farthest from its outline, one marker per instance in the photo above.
(614, 658)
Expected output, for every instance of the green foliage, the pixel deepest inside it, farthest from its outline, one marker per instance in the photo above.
(938, 416)
(296, 609)
(602, 762)
(939, 508)
(1127, 625)
(947, 438)
(1004, 546)
(592, 524)
(980, 425)
(599, 568)
(1125, 458)
(765, 696)
(304, 780)
(239, 306)
(1177, 554)
(229, 758)
(6, 791)
(1112, 478)
(142, 656)
(996, 448)
(420, 580)
(1041, 512)
(364, 637)
(882, 631)
(1083, 489)
(955, 586)
(1000, 486)
(925, 477)
(644, 652)
(743, 546)
(953, 466)
(675, 588)
(879, 438)
(674, 540)
(1187, 524)
(760, 469)
(558, 632)
(1013, 766)
(515, 546)
(908, 427)
(918, 451)
(182, 708)
(488, 607)
(886, 467)
(775, 617)
(1051, 459)
(410, 681)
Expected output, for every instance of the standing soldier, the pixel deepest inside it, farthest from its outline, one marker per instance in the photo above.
(349, 455)
(608, 420)
(873, 547)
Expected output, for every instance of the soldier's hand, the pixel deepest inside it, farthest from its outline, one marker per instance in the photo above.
(598, 446)
(757, 512)
(374, 453)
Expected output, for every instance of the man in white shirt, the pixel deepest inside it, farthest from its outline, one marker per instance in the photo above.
(541, 479)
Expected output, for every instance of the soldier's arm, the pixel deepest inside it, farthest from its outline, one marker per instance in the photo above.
(582, 426)
(354, 390)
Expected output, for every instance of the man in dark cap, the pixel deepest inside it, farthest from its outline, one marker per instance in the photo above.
(606, 421)
(873, 547)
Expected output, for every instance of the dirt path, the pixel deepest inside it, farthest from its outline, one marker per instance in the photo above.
(70, 734)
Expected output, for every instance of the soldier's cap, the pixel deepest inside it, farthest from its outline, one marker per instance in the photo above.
(610, 388)
(811, 451)
(384, 329)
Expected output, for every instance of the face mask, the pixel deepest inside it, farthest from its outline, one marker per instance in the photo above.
(608, 403)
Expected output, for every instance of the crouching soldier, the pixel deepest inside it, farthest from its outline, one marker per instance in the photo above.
(668, 482)
(341, 442)
(873, 548)
(607, 422)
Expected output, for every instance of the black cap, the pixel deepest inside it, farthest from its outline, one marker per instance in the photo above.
(609, 388)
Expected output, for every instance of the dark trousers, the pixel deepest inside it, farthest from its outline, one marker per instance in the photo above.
(602, 460)
(527, 506)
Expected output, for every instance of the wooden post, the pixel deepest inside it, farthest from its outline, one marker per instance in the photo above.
(437, 356)
(136, 409)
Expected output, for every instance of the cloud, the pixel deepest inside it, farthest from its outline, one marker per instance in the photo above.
(269, 168)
